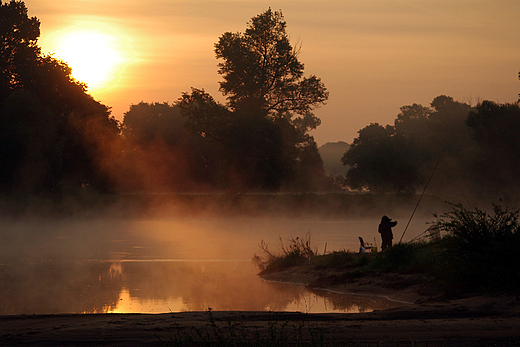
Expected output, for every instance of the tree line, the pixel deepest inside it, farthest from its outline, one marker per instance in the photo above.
(465, 149)
(56, 139)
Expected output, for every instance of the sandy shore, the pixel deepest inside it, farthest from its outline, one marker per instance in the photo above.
(422, 320)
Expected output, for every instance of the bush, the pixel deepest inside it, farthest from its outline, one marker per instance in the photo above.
(481, 249)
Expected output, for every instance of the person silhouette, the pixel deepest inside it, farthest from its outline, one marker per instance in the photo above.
(385, 229)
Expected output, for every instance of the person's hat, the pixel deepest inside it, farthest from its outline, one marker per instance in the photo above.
(386, 219)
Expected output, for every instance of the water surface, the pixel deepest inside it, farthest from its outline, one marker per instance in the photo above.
(164, 265)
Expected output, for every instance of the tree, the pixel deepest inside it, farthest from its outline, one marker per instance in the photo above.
(262, 74)
(160, 154)
(382, 161)
(263, 128)
(412, 120)
(18, 45)
(54, 136)
(402, 157)
(250, 148)
(495, 128)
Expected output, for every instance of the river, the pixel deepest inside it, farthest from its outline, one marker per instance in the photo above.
(94, 265)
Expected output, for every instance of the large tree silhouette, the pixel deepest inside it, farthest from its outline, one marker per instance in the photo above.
(262, 73)
(263, 128)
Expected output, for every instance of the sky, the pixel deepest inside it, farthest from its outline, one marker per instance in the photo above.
(374, 56)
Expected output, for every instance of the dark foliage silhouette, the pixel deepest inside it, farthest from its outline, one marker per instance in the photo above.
(54, 136)
(262, 131)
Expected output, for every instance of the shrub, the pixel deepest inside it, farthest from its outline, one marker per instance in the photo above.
(481, 249)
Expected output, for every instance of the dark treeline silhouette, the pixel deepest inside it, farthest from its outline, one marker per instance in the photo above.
(55, 139)
(476, 148)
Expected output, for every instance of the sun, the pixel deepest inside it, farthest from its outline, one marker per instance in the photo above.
(95, 57)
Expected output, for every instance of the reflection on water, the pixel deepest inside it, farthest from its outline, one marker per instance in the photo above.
(124, 266)
(159, 287)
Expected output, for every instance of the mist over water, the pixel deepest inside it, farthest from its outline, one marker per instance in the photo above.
(156, 265)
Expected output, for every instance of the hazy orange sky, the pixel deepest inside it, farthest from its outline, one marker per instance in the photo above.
(374, 56)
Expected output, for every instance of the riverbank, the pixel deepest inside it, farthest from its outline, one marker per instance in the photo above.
(423, 319)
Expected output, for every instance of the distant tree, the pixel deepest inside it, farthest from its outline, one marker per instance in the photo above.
(402, 157)
(54, 136)
(204, 116)
(413, 120)
(145, 123)
(495, 128)
(448, 123)
(382, 161)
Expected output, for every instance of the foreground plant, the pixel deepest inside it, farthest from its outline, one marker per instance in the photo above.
(229, 333)
(481, 249)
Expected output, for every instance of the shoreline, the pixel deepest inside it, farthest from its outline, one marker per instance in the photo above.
(421, 320)
(396, 288)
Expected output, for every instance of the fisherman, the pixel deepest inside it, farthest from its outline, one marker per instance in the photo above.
(385, 229)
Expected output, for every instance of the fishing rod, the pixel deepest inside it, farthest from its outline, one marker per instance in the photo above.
(424, 190)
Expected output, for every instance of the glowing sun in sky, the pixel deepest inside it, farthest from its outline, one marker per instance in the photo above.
(95, 57)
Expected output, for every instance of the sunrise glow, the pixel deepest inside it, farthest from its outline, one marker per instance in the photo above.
(95, 57)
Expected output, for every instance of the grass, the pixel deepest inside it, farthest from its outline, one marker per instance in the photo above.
(478, 254)
(295, 251)
(229, 333)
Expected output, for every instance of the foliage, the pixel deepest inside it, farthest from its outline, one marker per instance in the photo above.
(262, 73)
(481, 249)
(18, 45)
(417, 257)
(160, 154)
(381, 160)
(401, 157)
(495, 128)
(262, 132)
(54, 136)
(336, 260)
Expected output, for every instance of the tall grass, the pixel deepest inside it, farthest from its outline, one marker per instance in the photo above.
(295, 251)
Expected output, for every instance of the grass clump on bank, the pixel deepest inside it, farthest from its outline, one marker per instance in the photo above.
(295, 251)
(479, 253)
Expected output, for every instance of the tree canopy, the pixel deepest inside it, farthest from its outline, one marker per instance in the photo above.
(54, 136)
(263, 129)
(477, 149)
(261, 71)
